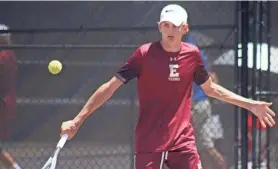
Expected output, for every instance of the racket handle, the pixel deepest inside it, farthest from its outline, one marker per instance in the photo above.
(62, 141)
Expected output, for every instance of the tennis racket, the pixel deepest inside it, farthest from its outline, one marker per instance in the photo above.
(51, 162)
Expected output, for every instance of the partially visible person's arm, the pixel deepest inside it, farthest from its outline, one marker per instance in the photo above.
(8, 159)
(8, 72)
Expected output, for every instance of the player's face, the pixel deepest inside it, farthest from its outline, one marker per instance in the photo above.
(171, 33)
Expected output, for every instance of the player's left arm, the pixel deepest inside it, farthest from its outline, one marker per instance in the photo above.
(259, 108)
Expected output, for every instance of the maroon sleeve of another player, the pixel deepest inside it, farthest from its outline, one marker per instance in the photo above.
(8, 69)
(132, 67)
(201, 75)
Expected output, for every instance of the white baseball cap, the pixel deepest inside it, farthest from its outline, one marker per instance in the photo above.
(175, 14)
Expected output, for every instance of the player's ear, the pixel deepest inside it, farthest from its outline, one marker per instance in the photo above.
(185, 28)
(159, 26)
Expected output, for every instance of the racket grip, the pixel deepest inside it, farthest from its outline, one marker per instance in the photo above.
(62, 141)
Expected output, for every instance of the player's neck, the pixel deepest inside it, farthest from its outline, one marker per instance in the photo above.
(175, 47)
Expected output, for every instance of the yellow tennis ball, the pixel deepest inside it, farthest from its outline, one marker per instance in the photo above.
(55, 67)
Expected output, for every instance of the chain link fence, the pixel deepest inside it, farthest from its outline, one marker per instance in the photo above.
(92, 40)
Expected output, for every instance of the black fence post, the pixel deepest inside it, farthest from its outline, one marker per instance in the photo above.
(244, 80)
(237, 82)
(255, 32)
(268, 20)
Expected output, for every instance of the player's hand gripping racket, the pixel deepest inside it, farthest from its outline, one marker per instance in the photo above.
(51, 163)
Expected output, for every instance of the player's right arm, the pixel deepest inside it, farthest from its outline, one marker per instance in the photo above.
(101, 95)
(129, 71)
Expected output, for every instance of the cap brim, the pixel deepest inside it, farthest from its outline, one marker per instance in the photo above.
(173, 19)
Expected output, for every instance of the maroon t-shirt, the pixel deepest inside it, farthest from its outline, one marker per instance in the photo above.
(164, 81)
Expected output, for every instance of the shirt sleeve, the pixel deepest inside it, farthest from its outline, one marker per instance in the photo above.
(201, 75)
(132, 67)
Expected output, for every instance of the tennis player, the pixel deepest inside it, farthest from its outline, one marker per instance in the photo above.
(165, 71)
